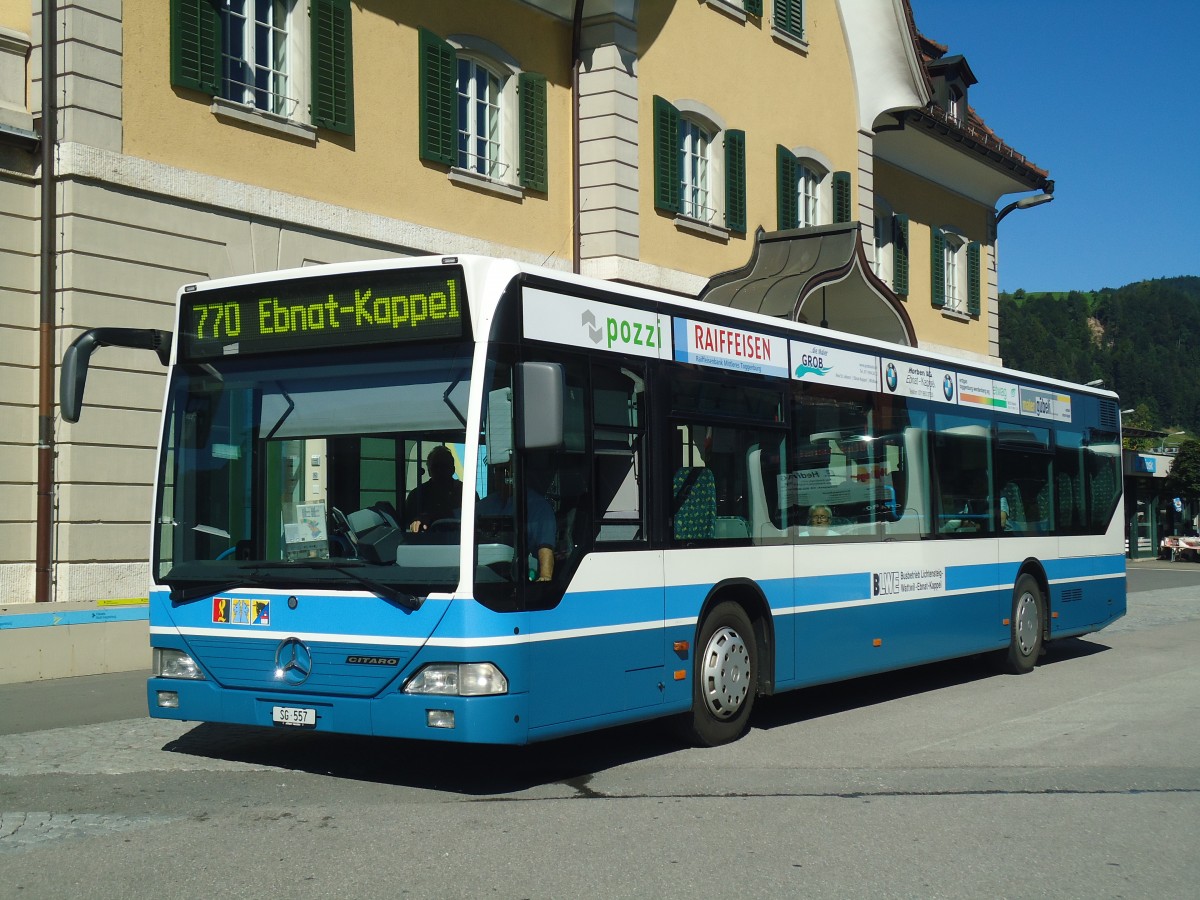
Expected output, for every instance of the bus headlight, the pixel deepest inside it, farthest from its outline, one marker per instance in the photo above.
(175, 664)
(458, 680)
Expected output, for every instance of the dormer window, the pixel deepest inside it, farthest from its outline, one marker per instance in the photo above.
(956, 102)
(951, 77)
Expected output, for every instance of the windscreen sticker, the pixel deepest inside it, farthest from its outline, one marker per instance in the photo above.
(241, 611)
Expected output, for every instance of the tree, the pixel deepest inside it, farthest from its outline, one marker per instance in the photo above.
(1141, 418)
(1184, 478)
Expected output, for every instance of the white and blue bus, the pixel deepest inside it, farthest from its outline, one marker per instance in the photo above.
(464, 499)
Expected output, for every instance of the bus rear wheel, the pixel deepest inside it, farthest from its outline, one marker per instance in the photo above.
(725, 677)
(1027, 627)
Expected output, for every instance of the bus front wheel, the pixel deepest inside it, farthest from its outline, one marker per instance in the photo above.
(1027, 627)
(725, 677)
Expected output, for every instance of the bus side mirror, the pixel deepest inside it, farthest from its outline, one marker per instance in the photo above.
(73, 377)
(541, 406)
(75, 360)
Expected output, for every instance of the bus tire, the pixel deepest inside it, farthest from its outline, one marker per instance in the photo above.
(1026, 627)
(724, 679)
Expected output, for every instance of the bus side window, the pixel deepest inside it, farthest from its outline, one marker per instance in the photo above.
(618, 427)
(964, 476)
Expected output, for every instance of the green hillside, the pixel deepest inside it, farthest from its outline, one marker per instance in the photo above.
(1142, 339)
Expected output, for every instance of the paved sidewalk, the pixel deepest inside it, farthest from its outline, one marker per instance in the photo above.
(85, 700)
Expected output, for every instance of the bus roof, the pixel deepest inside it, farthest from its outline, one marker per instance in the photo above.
(480, 270)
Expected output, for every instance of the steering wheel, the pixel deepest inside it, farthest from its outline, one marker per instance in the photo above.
(343, 541)
(341, 525)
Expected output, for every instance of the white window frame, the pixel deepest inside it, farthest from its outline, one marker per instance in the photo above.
(709, 216)
(955, 101)
(884, 230)
(695, 171)
(501, 173)
(814, 191)
(808, 196)
(954, 263)
(481, 149)
(290, 104)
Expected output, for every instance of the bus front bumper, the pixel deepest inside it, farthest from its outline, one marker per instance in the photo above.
(484, 720)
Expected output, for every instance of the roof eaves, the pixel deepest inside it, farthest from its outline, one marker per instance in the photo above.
(974, 134)
(977, 138)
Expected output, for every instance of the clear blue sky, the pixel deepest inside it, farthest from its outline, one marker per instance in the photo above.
(1105, 95)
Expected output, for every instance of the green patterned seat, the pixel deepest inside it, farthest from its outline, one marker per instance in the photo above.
(695, 492)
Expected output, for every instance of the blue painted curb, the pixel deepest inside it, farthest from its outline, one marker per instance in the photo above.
(139, 613)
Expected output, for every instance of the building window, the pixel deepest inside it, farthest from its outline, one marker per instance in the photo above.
(883, 233)
(955, 102)
(288, 58)
(952, 247)
(956, 272)
(480, 121)
(693, 178)
(480, 114)
(256, 55)
(808, 196)
(809, 193)
(695, 162)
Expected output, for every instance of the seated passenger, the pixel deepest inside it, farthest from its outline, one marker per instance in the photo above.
(540, 527)
(438, 498)
(820, 520)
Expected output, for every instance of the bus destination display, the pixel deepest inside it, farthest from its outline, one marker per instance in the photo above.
(328, 312)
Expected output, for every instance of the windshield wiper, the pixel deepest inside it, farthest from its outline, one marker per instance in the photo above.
(186, 591)
(347, 567)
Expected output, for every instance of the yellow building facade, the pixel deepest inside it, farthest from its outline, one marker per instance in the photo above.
(652, 143)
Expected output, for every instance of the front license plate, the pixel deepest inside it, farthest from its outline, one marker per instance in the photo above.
(293, 715)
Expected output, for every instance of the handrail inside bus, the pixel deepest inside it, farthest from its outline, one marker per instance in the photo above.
(75, 360)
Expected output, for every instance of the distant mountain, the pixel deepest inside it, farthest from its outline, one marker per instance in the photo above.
(1142, 339)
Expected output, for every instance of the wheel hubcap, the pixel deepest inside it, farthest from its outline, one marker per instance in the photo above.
(1028, 624)
(725, 675)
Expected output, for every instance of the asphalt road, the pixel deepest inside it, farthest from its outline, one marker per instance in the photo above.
(1079, 780)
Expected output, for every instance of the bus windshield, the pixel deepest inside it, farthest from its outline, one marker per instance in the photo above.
(291, 472)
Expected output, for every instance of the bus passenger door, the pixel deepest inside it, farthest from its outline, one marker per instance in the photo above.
(597, 643)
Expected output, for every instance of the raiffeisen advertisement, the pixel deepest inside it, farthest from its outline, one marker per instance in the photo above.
(729, 347)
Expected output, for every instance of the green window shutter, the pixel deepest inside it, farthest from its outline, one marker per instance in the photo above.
(332, 65)
(735, 180)
(439, 99)
(531, 90)
(789, 17)
(841, 197)
(937, 266)
(974, 292)
(753, 7)
(196, 45)
(666, 156)
(788, 204)
(900, 255)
